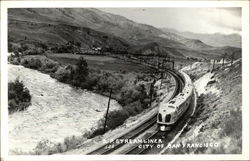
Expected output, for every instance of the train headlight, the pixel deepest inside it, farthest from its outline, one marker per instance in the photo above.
(163, 128)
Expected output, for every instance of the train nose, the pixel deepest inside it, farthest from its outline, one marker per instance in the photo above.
(164, 118)
(163, 128)
(160, 117)
(168, 118)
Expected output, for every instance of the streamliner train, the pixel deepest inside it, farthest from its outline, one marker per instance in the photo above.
(170, 111)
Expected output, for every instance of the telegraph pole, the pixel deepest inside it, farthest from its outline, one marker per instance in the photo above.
(232, 58)
(223, 59)
(161, 78)
(213, 65)
(151, 92)
(106, 117)
(158, 62)
(162, 65)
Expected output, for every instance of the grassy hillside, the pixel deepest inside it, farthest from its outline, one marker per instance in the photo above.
(95, 28)
(218, 117)
(51, 35)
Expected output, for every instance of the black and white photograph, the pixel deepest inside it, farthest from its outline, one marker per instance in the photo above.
(124, 80)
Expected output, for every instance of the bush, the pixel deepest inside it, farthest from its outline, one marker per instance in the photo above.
(33, 51)
(14, 60)
(24, 62)
(92, 82)
(233, 126)
(116, 118)
(49, 66)
(62, 74)
(19, 97)
(134, 108)
(81, 71)
(133, 94)
(32, 63)
(46, 147)
(35, 63)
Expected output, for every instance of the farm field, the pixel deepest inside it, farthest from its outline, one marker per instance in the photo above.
(100, 62)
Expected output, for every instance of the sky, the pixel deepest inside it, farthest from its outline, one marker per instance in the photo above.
(197, 20)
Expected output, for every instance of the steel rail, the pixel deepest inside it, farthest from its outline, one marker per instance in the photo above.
(140, 129)
(136, 149)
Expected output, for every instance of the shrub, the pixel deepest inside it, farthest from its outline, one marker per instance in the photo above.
(49, 66)
(18, 96)
(14, 60)
(62, 74)
(32, 63)
(134, 108)
(131, 95)
(92, 82)
(46, 147)
(35, 63)
(71, 142)
(82, 70)
(233, 126)
(33, 51)
(116, 118)
(96, 132)
(43, 147)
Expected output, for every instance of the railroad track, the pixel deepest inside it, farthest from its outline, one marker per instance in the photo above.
(139, 129)
(157, 134)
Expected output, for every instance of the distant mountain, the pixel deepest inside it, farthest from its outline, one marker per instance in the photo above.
(217, 40)
(95, 19)
(93, 27)
(57, 34)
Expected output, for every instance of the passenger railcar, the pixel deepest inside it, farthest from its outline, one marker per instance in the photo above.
(171, 111)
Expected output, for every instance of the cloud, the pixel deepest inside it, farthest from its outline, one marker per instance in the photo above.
(225, 19)
(235, 11)
(198, 20)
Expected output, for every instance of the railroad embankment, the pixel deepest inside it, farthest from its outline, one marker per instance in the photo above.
(216, 127)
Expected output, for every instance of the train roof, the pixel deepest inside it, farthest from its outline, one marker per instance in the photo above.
(186, 92)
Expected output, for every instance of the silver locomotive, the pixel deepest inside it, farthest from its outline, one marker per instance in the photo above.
(171, 111)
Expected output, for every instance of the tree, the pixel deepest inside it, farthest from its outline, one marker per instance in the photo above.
(81, 72)
(143, 94)
(24, 47)
(10, 47)
(223, 58)
(232, 58)
(19, 97)
(82, 66)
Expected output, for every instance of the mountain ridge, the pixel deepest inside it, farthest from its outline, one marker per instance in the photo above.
(119, 31)
(216, 39)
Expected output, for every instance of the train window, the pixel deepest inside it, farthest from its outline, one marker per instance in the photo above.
(160, 117)
(171, 107)
(171, 102)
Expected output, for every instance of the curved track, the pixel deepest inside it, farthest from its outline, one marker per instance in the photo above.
(167, 138)
(139, 129)
(158, 134)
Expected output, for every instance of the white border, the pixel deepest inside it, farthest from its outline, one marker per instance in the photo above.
(109, 4)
